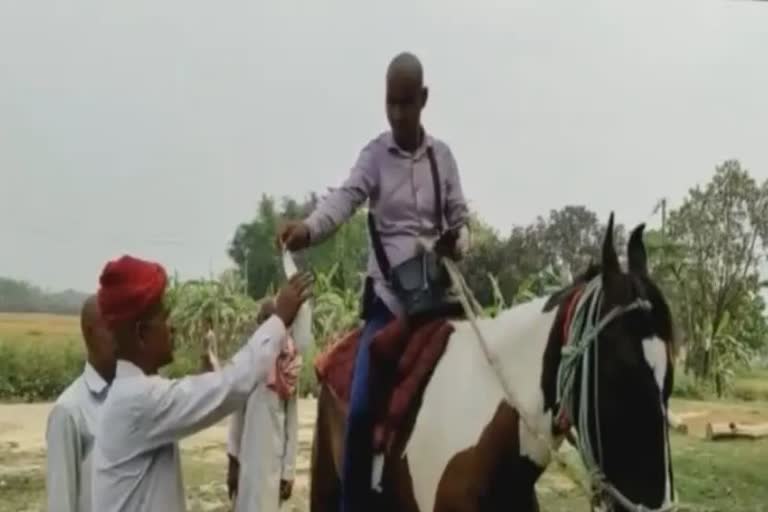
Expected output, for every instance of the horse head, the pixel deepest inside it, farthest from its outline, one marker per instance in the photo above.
(616, 374)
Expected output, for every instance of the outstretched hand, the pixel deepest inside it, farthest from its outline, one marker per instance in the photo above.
(291, 296)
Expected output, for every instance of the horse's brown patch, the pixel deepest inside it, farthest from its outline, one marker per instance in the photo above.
(491, 475)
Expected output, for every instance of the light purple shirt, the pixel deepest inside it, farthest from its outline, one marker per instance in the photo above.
(400, 191)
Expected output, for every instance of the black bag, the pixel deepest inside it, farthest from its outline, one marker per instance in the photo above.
(421, 283)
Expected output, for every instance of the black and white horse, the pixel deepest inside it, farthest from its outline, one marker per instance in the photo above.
(597, 351)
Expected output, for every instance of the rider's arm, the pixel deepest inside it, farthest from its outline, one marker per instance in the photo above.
(456, 209)
(342, 202)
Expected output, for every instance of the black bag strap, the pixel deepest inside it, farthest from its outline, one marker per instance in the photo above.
(438, 190)
(378, 248)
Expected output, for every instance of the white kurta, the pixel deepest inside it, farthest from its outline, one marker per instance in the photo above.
(136, 455)
(69, 439)
(263, 437)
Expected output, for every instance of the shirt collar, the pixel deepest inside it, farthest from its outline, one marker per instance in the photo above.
(96, 384)
(127, 369)
(394, 149)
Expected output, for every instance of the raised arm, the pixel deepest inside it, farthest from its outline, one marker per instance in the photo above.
(173, 409)
(456, 210)
(62, 473)
(342, 202)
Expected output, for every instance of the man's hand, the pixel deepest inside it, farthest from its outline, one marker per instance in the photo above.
(294, 235)
(286, 489)
(291, 296)
(233, 473)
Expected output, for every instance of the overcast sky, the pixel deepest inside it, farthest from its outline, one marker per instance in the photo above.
(153, 128)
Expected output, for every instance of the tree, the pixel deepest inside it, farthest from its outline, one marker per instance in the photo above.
(253, 247)
(572, 237)
(720, 233)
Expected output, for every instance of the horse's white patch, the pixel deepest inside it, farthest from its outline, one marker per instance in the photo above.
(464, 394)
(655, 351)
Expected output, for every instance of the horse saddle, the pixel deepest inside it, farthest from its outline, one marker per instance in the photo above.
(402, 361)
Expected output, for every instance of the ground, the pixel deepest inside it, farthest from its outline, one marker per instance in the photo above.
(723, 476)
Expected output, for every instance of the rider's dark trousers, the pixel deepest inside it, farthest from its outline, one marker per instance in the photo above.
(356, 493)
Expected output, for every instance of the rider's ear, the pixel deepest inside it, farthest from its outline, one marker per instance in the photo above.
(610, 260)
(636, 254)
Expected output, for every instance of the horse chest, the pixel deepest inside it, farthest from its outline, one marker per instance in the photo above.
(464, 421)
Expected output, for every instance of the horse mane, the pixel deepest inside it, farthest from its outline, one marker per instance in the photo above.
(557, 298)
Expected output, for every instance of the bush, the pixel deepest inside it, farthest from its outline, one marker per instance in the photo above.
(34, 372)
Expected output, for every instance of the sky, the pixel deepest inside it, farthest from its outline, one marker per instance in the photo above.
(153, 128)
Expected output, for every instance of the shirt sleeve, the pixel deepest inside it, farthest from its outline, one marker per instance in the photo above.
(291, 438)
(456, 209)
(339, 205)
(235, 432)
(63, 461)
(173, 409)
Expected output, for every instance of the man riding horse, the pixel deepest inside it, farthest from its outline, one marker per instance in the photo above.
(411, 181)
(480, 405)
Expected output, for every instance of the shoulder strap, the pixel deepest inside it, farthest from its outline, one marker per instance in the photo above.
(438, 190)
(378, 249)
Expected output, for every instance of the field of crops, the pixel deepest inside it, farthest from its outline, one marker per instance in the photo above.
(41, 353)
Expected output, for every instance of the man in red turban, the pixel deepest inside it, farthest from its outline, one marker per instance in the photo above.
(136, 456)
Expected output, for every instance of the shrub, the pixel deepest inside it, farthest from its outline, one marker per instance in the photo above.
(33, 372)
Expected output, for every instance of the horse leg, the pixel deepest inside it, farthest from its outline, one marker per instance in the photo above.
(325, 486)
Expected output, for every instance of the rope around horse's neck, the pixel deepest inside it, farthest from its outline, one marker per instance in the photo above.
(464, 292)
(599, 485)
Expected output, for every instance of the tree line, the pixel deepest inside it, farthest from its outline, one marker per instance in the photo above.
(22, 297)
(706, 257)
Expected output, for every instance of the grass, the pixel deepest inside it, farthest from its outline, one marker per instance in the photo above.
(717, 476)
(39, 354)
(39, 328)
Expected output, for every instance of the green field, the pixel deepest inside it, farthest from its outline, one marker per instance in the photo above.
(730, 476)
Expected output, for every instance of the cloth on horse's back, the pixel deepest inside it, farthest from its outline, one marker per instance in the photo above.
(402, 362)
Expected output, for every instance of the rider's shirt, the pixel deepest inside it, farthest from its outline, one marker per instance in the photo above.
(400, 191)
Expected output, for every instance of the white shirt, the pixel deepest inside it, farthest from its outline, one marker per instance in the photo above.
(69, 438)
(136, 456)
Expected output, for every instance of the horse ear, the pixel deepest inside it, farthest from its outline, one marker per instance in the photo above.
(638, 257)
(610, 259)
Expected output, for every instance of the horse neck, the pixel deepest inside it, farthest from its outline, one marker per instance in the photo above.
(518, 338)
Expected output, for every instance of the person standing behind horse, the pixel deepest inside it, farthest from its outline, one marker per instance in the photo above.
(73, 418)
(396, 173)
(263, 435)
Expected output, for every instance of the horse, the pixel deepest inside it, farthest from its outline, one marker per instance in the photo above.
(594, 359)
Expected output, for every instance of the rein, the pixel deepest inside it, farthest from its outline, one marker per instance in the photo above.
(579, 344)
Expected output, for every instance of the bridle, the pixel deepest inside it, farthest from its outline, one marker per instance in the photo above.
(581, 328)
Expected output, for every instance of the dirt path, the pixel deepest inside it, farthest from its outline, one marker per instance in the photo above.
(22, 458)
(22, 442)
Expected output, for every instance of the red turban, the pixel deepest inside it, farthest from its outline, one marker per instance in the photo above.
(128, 287)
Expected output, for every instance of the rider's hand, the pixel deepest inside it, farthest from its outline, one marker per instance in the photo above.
(453, 244)
(291, 296)
(445, 247)
(233, 473)
(294, 235)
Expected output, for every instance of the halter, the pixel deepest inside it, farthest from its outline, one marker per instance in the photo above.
(581, 330)
(573, 352)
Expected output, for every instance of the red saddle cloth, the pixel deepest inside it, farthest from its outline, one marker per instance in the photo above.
(401, 364)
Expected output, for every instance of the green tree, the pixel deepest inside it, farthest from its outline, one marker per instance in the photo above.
(252, 247)
(719, 235)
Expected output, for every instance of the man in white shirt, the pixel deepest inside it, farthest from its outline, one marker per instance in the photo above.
(263, 436)
(72, 420)
(136, 459)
